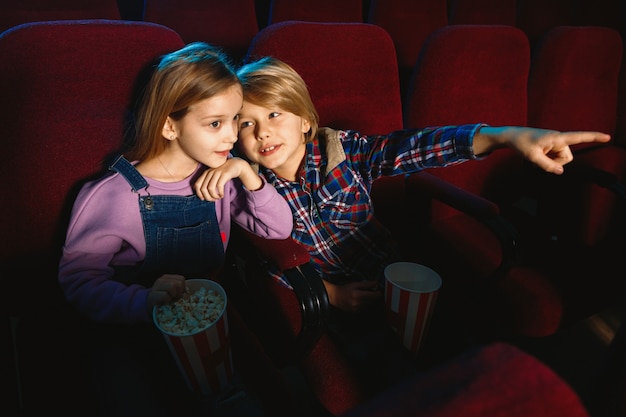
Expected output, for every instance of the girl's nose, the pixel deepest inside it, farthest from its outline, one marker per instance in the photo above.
(233, 135)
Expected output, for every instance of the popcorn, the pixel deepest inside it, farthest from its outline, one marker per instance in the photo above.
(192, 313)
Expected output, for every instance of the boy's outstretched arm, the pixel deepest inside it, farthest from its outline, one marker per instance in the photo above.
(548, 149)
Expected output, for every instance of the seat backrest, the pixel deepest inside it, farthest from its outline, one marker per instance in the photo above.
(315, 11)
(408, 22)
(351, 72)
(573, 80)
(350, 69)
(468, 385)
(472, 74)
(230, 24)
(13, 13)
(482, 12)
(573, 85)
(67, 87)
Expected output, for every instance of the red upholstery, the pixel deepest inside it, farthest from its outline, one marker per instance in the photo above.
(67, 87)
(349, 92)
(231, 24)
(482, 12)
(64, 119)
(315, 11)
(359, 81)
(408, 22)
(565, 92)
(567, 95)
(464, 386)
(13, 13)
(498, 380)
(471, 74)
(479, 73)
(620, 137)
(468, 75)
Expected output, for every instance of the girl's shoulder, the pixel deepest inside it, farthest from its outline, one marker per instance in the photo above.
(110, 190)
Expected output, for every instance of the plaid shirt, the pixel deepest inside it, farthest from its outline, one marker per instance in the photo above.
(331, 203)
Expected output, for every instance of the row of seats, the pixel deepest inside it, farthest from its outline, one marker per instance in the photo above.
(409, 22)
(515, 269)
(535, 17)
(86, 122)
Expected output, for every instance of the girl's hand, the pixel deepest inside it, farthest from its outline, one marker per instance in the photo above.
(210, 185)
(166, 288)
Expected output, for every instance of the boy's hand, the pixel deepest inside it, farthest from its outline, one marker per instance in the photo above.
(551, 150)
(548, 149)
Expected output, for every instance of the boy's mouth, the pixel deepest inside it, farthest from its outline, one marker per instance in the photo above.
(268, 149)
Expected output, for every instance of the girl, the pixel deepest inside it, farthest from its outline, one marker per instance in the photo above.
(136, 234)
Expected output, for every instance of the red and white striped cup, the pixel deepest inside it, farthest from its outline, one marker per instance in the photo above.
(203, 357)
(410, 294)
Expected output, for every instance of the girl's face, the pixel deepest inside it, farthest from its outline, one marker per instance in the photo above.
(273, 138)
(208, 132)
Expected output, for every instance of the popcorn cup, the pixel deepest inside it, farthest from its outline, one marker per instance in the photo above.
(410, 294)
(201, 348)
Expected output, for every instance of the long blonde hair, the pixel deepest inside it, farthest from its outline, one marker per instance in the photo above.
(270, 82)
(184, 77)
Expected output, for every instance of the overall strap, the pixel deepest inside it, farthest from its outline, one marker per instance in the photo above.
(129, 172)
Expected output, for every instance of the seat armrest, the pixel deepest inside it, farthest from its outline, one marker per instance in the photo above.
(481, 209)
(452, 195)
(293, 260)
(598, 177)
(283, 253)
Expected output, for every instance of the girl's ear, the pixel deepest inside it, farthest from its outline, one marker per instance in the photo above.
(169, 130)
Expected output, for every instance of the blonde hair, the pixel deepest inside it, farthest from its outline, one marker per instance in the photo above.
(270, 82)
(182, 78)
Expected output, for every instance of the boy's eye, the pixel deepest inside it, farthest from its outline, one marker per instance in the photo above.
(274, 114)
(245, 124)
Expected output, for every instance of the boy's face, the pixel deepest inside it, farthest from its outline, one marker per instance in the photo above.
(273, 138)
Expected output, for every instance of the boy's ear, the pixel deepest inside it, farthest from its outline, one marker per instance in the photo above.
(169, 131)
(306, 125)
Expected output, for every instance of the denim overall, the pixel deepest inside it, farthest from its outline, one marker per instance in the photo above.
(182, 237)
(182, 233)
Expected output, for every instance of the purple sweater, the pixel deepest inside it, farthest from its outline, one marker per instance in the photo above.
(106, 230)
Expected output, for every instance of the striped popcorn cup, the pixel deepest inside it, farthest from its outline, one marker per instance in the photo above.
(410, 294)
(200, 345)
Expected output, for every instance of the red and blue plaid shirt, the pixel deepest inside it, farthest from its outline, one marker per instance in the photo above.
(331, 203)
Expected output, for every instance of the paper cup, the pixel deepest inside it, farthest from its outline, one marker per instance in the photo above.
(410, 294)
(203, 355)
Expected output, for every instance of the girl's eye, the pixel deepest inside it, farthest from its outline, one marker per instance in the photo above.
(215, 124)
